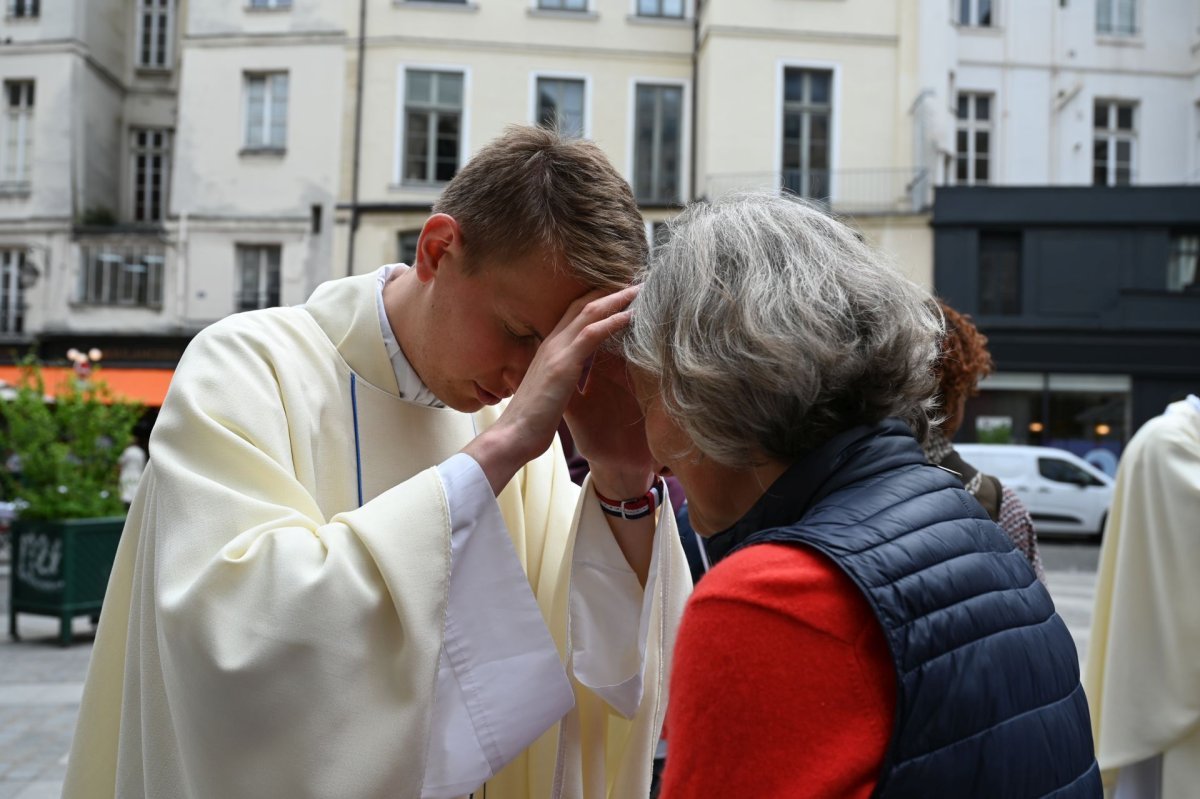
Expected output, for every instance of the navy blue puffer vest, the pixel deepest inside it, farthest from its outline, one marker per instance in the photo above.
(988, 701)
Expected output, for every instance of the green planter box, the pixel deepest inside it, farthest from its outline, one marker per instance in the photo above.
(60, 569)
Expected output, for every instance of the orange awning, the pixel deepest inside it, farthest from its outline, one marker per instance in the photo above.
(147, 386)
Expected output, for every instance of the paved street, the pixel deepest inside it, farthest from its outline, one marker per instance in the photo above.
(1071, 576)
(40, 686)
(40, 682)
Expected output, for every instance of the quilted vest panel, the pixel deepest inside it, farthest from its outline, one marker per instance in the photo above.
(988, 702)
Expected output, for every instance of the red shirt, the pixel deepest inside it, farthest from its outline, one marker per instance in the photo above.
(782, 685)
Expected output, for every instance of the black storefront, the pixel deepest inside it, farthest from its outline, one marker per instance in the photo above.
(1090, 298)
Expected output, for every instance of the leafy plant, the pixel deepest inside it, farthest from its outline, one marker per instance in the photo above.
(1001, 434)
(67, 448)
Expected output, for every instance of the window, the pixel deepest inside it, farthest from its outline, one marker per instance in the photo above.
(999, 274)
(807, 110)
(1061, 471)
(660, 8)
(16, 157)
(154, 33)
(1114, 146)
(1183, 271)
(657, 143)
(266, 111)
(1116, 17)
(433, 103)
(659, 234)
(151, 160)
(973, 141)
(116, 275)
(12, 295)
(976, 13)
(563, 5)
(24, 9)
(258, 276)
(270, 3)
(406, 246)
(560, 105)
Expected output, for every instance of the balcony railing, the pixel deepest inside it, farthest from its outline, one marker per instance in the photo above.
(845, 191)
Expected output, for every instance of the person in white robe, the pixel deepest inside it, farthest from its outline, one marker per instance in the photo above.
(1143, 666)
(352, 570)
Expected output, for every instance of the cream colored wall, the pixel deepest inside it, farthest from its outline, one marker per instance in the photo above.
(906, 240)
(741, 105)
(498, 92)
(501, 48)
(213, 176)
(834, 18)
(210, 266)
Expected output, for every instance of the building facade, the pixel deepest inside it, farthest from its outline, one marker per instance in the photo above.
(257, 156)
(441, 79)
(1065, 135)
(88, 129)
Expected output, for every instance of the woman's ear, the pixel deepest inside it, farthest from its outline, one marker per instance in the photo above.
(440, 237)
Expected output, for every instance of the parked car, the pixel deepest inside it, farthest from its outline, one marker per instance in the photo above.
(1064, 493)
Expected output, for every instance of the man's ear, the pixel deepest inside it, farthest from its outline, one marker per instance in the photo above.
(440, 237)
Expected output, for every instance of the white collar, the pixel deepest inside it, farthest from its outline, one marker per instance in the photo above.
(410, 385)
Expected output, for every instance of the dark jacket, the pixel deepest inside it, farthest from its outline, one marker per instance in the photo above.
(988, 700)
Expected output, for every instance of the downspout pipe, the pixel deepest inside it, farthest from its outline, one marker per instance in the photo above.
(358, 112)
(695, 100)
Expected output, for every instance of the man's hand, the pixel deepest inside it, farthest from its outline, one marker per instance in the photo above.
(527, 426)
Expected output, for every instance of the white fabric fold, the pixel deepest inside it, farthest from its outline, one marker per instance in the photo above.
(610, 611)
(500, 683)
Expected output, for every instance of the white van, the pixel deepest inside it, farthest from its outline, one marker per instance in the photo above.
(1064, 493)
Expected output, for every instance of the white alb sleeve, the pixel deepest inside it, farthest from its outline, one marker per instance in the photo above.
(500, 681)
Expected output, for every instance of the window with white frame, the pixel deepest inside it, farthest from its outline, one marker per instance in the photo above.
(16, 151)
(12, 295)
(129, 275)
(563, 5)
(560, 104)
(1114, 146)
(433, 109)
(973, 139)
(270, 3)
(150, 161)
(266, 110)
(24, 9)
(660, 8)
(657, 143)
(154, 30)
(1183, 270)
(406, 246)
(807, 115)
(976, 13)
(1116, 17)
(258, 276)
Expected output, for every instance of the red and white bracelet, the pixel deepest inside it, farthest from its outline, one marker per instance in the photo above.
(633, 508)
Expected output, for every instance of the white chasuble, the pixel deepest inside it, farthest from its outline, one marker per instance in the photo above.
(1142, 675)
(277, 609)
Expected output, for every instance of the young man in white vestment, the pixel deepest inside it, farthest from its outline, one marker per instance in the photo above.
(356, 565)
(1143, 665)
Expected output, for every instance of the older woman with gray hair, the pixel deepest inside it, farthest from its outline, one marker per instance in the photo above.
(865, 629)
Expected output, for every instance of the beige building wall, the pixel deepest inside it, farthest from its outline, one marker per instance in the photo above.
(89, 93)
(876, 180)
(227, 194)
(500, 49)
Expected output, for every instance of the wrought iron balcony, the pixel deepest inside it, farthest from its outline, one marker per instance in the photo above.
(844, 191)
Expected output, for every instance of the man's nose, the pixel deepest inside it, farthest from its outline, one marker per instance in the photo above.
(514, 371)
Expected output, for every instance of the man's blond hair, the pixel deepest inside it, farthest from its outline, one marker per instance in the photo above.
(533, 189)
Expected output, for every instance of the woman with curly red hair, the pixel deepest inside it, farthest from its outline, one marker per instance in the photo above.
(964, 361)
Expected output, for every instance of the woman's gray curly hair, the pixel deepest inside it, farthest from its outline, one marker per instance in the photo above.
(771, 327)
